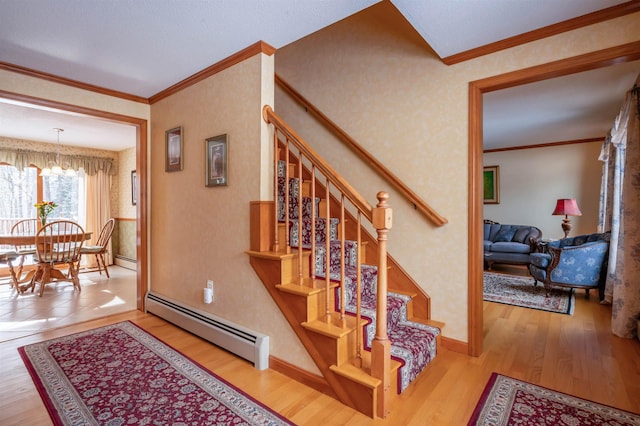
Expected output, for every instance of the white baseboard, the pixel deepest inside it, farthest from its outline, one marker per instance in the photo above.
(128, 264)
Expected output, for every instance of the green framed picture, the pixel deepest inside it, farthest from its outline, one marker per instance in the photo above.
(492, 185)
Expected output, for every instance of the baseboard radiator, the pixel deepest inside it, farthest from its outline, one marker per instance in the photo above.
(245, 343)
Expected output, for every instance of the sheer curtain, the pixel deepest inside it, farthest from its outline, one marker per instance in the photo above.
(98, 211)
(620, 213)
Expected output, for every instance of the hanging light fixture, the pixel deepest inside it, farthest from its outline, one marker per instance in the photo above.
(56, 169)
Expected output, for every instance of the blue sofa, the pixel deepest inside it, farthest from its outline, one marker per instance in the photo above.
(577, 262)
(510, 244)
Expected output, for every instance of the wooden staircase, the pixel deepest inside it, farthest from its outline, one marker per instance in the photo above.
(315, 306)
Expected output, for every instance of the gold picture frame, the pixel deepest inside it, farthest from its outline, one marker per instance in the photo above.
(491, 175)
(174, 150)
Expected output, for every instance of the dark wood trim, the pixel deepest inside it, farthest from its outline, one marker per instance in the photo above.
(242, 55)
(548, 31)
(543, 145)
(299, 375)
(141, 165)
(73, 83)
(598, 59)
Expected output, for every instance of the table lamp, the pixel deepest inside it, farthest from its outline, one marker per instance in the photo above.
(567, 207)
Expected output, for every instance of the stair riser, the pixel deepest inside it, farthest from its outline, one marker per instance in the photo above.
(291, 268)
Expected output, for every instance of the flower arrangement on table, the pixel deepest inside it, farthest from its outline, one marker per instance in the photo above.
(45, 208)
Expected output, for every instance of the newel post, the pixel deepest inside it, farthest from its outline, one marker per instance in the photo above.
(381, 347)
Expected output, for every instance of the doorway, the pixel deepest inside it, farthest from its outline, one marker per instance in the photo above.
(625, 53)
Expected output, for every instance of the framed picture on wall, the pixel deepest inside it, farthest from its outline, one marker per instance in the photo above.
(217, 154)
(492, 185)
(174, 150)
(134, 187)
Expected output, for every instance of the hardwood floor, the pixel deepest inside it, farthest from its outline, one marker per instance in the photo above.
(574, 354)
(60, 305)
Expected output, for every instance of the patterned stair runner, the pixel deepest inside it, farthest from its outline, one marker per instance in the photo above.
(412, 344)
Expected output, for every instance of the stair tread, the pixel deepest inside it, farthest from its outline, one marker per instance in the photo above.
(307, 287)
(336, 327)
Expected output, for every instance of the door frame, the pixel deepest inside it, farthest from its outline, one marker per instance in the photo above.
(142, 132)
(589, 61)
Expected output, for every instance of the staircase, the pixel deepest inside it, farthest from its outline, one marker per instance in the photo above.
(368, 342)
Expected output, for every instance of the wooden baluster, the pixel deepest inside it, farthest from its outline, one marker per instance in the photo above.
(343, 292)
(286, 196)
(276, 158)
(381, 347)
(313, 223)
(300, 209)
(327, 255)
(358, 360)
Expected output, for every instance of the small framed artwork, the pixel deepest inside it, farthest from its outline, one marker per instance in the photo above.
(492, 185)
(173, 160)
(134, 187)
(217, 154)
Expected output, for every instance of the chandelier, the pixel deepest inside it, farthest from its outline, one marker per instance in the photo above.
(56, 169)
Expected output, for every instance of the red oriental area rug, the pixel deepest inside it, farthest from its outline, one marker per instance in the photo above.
(507, 401)
(120, 374)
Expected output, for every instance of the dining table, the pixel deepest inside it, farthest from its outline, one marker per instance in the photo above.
(14, 240)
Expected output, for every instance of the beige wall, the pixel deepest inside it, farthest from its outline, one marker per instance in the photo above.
(126, 163)
(200, 233)
(376, 80)
(531, 180)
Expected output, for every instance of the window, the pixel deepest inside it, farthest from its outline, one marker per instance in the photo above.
(19, 192)
(68, 193)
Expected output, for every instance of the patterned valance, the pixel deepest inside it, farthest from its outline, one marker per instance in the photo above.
(25, 158)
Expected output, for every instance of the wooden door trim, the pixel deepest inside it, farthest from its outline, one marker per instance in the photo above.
(598, 59)
(141, 125)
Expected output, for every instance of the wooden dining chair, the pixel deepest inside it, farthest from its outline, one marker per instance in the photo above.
(8, 257)
(101, 247)
(58, 244)
(24, 227)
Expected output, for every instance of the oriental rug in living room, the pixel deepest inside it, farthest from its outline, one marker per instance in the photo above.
(507, 401)
(520, 291)
(120, 374)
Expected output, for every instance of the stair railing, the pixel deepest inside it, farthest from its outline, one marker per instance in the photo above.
(380, 217)
(372, 161)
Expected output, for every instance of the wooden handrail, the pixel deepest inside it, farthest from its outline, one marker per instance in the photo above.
(337, 180)
(418, 202)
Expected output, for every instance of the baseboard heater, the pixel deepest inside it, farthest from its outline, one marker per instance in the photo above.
(245, 343)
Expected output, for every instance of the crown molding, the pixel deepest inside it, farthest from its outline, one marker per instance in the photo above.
(543, 145)
(548, 31)
(68, 82)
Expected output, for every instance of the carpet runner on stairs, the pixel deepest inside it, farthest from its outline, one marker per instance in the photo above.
(413, 344)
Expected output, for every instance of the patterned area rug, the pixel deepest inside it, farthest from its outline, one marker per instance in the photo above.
(120, 374)
(507, 401)
(520, 291)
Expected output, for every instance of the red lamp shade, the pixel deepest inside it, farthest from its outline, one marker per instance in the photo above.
(567, 207)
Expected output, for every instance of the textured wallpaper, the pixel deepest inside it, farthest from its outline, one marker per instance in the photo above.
(200, 233)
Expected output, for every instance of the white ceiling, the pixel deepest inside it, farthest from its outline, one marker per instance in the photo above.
(141, 47)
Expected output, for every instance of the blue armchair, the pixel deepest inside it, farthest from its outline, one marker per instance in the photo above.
(577, 262)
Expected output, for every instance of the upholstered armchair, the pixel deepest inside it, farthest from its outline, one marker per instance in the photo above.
(577, 262)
